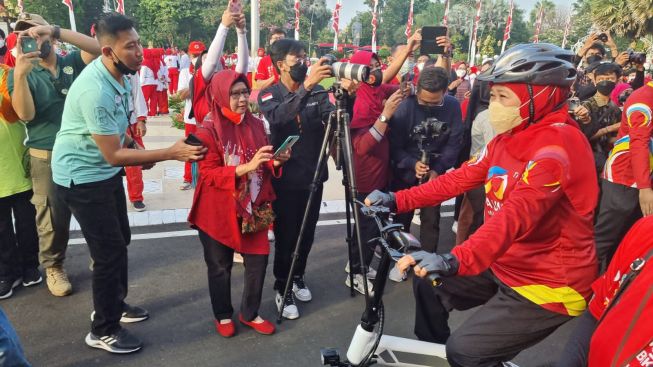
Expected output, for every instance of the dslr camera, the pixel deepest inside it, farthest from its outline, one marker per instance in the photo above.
(346, 70)
(636, 57)
(428, 131)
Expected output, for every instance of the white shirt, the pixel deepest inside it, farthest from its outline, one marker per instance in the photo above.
(147, 76)
(163, 79)
(172, 61)
(184, 82)
(184, 62)
(137, 103)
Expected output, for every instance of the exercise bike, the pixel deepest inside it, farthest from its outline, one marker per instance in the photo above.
(369, 345)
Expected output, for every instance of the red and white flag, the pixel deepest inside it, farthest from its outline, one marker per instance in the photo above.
(445, 19)
(506, 32)
(297, 13)
(120, 6)
(538, 24)
(20, 6)
(68, 3)
(477, 20)
(374, 24)
(567, 30)
(409, 24)
(336, 24)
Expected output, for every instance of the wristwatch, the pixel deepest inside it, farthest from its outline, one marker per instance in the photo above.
(56, 32)
(383, 119)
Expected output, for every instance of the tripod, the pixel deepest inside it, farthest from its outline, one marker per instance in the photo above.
(337, 139)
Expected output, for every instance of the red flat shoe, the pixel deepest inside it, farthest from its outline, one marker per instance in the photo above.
(227, 330)
(265, 327)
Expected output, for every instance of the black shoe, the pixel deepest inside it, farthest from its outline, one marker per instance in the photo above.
(130, 314)
(7, 287)
(31, 276)
(121, 342)
(138, 206)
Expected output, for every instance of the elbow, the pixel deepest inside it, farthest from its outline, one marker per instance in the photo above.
(25, 116)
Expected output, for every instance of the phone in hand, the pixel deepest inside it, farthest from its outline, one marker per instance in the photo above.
(429, 44)
(193, 140)
(28, 44)
(235, 6)
(290, 141)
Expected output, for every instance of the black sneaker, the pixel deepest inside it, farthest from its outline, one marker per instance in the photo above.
(7, 287)
(139, 206)
(31, 276)
(121, 342)
(130, 314)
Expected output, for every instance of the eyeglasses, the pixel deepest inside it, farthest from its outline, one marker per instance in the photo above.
(237, 94)
(300, 61)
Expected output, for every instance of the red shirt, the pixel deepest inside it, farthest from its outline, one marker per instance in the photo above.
(625, 333)
(266, 70)
(200, 103)
(538, 236)
(630, 162)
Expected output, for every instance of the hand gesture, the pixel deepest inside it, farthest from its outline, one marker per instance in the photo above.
(241, 21)
(319, 72)
(421, 169)
(392, 103)
(282, 157)
(141, 129)
(415, 40)
(183, 152)
(229, 18)
(582, 115)
(39, 31)
(622, 59)
(263, 155)
(444, 41)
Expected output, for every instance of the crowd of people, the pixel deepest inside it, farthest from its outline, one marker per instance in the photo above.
(548, 154)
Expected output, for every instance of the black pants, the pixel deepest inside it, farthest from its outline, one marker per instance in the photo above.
(101, 210)
(289, 208)
(219, 260)
(429, 229)
(618, 211)
(369, 230)
(19, 249)
(506, 324)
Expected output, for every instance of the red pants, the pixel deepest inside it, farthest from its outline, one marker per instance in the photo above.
(163, 101)
(174, 80)
(134, 173)
(151, 98)
(188, 177)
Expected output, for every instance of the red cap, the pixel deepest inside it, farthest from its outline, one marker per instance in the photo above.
(196, 47)
(169, 51)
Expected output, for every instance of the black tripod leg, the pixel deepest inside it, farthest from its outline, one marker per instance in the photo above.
(350, 242)
(321, 166)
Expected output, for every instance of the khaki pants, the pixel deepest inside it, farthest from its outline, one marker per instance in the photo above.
(52, 216)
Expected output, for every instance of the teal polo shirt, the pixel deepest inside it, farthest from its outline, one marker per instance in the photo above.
(49, 94)
(96, 105)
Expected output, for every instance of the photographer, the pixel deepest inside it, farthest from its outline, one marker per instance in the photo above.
(292, 108)
(598, 116)
(412, 134)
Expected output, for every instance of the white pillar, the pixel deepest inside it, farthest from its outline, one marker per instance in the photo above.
(255, 31)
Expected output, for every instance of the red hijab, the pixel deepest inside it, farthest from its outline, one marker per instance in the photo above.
(239, 135)
(150, 60)
(548, 104)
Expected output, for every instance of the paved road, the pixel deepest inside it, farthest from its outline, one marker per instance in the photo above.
(167, 276)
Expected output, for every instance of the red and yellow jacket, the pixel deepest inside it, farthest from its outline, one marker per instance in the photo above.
(538, 236)
(630, 162)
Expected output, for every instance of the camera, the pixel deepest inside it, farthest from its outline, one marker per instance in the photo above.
(346, 70)
(573, 104)
(430, 129)
(636, 57)
(603, 37)
(623, 96)
(330, 357)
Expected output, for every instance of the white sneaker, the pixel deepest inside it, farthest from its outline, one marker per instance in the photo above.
(290, 310)
(358, 285)
(396, 276)
(371, 273)
(300, 290)
(454, 227)
(270, 235)
(238, 258)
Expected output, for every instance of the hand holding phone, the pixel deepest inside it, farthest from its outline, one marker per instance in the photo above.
(28, 44)
(193, 140)
(235, 6)
(429, 43)
(290, 141)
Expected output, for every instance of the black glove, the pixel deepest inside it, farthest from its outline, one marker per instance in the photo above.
(446, 264)
(380, 198)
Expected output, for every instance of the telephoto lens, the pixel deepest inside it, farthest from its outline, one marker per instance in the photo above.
(346, 70)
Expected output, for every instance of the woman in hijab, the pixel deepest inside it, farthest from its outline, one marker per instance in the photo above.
(232, 204)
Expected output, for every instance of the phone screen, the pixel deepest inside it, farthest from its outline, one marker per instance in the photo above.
(290, 141)
(429, 44)
(235, 6)
(28, 44)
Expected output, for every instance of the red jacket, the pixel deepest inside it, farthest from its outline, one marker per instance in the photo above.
(630, 162)
(626, 333)
(538, 237)
(214, 205)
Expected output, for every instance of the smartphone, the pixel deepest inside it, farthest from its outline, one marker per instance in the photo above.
(235, 6)
(572, 104)
(28, 44)
(429, 44)
(290, 141)
(193, 140)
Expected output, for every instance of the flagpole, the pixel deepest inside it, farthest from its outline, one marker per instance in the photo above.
(567, 29)
(336, 25)
(409, 23)
(506, 33)
(71, 14)
(374, 24)
(538, 24)
(255, 27)
(297, 20)
(445, 19)
(472, 56)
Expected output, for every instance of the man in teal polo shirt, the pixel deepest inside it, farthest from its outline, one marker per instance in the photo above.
(38, 86)
(88, 154)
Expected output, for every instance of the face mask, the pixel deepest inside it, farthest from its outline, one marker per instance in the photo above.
(376, 78)
(605, 87)
(46, 49)
(461, 73)
(407, 67)
(298, 72)
(122, 68)
(420, 66)
(504, 118)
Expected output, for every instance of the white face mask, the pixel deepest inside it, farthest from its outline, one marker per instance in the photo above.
(420, 66)
(461, 73)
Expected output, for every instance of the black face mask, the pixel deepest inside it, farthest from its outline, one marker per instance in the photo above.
(122, 68)
(605, 87)
(46, 49)
(298, 72)
(430, 111)
(378, 77)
